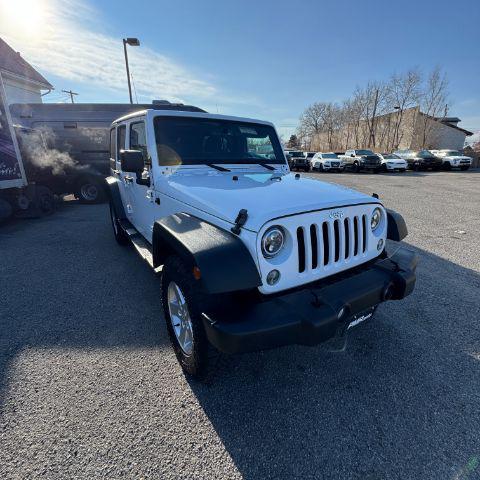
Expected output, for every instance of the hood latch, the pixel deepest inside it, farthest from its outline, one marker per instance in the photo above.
(240, 221)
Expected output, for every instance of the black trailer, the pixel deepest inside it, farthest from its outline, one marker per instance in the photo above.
(66, 146)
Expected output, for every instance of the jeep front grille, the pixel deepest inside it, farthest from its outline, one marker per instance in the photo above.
(330, 242)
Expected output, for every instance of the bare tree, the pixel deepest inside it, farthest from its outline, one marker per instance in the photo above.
(403, 93)
(433, 103)
(311, 119)
(368, 118)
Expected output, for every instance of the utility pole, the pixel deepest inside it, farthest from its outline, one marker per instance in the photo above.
(70, 93)
(133, 42)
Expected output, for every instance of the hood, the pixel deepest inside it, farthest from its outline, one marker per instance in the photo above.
(265, 195)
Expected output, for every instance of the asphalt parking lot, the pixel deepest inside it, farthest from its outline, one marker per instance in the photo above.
(89, 387)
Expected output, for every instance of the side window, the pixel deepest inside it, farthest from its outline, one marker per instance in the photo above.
(121, 134)
(138, 139)
(113, 143)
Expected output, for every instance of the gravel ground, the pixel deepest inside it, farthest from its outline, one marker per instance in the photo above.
(89, 387)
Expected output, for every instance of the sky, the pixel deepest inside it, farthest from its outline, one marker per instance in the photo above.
(261, 59)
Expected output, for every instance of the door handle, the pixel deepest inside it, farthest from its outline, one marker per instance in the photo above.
(149, 195)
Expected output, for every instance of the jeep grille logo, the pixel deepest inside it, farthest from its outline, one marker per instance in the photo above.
(336, 215)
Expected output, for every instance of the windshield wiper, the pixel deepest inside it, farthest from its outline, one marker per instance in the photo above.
(266, 165)
(217, 167)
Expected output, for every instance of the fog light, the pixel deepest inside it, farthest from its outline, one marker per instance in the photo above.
(273, 277)
(380, 244)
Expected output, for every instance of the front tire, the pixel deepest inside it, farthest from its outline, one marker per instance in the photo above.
(356, 167)
(120, 236)
(182, 301)
(465, 168)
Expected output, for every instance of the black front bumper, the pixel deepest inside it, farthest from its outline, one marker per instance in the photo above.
(311, 315)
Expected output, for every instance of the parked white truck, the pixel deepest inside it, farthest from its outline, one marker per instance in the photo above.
(251, 256)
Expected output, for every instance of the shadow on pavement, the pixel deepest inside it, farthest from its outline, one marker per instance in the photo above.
(401, 402)
(70, 293)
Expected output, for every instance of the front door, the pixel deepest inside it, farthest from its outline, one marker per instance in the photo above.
(125, 178)
(142, 197)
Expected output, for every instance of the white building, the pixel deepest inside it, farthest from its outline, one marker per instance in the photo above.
(23, 84)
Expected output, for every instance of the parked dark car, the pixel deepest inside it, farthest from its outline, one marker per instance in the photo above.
(304, 162)
(357, 160)
(299, 160)
(420, 159)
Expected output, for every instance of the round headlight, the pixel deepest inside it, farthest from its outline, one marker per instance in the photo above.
(375, 220)
(272, 241)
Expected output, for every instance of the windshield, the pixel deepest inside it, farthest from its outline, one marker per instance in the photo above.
(364, 152)
(329, 155)
(453, 153)
(296, 153)
(196, 141)
(425, 154)
(390, 156)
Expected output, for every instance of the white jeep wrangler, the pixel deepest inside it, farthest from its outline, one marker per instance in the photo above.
(251, 255)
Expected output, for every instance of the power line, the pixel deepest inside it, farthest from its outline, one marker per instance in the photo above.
(71, 94)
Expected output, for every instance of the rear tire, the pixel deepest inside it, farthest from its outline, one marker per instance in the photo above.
(192, 355)
(44, 201)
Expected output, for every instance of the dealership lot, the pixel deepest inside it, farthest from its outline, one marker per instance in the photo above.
(90, 388)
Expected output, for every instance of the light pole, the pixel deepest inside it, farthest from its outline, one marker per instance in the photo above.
(133, 42)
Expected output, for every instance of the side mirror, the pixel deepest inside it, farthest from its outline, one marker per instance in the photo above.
(132, 161)
(352, 155)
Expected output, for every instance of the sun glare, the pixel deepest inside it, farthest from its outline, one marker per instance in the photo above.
(25, 17)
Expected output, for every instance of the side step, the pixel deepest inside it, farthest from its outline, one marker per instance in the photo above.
(140, 244)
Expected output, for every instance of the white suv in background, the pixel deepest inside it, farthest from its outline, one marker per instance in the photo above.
(392, 162)
(325, 162)
(453, 159)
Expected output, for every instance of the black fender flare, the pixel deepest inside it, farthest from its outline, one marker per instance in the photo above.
(113, 192)
(396, 226)
(224, 261)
